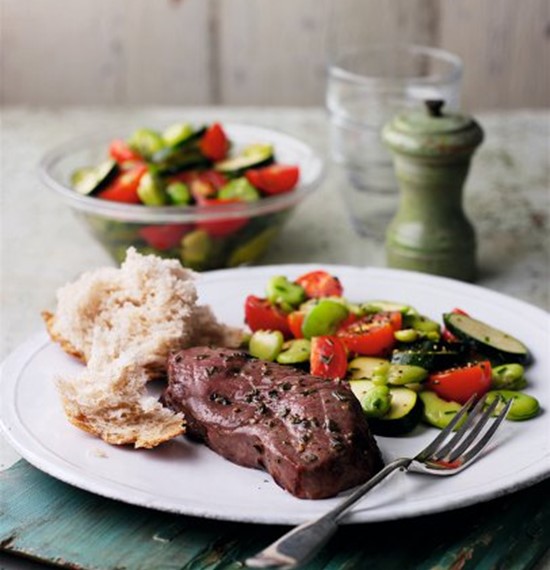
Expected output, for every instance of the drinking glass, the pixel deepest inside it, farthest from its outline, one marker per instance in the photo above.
(367, 86)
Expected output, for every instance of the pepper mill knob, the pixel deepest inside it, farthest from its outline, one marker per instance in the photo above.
(435, 107)
(431, 154)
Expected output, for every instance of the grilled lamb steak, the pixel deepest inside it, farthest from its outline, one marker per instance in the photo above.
(309, 433)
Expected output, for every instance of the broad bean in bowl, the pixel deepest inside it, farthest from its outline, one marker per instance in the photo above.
(212, 196)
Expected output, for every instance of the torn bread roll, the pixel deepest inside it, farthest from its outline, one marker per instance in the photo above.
(123, 323)
(112, 403)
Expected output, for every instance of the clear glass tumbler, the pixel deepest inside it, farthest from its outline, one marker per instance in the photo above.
(367, 86)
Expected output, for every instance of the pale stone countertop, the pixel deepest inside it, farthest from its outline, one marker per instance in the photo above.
(44, 245)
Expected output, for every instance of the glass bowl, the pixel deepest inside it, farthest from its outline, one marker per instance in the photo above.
(201, 237)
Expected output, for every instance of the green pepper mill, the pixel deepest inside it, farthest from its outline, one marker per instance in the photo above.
(431, 154)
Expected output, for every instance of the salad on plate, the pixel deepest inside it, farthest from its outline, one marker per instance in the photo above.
(403, 367)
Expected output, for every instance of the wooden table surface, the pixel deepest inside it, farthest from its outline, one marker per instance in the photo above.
(43, 246)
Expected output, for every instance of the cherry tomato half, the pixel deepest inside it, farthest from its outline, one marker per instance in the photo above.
(260, 314)
(274, 179)
(368, 336)
(164, 237)
(329, 357)
(395, 318)
(124, 187)
(121, 152)
(295, 322)
(214, 143)
(319, 284)
(459, 384)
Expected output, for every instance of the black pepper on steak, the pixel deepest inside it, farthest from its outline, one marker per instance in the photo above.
(314, 441)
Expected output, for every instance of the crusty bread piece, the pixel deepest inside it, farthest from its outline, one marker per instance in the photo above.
(112, 403)
(123, 323)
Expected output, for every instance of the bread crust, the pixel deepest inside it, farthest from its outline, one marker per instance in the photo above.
(49, 320)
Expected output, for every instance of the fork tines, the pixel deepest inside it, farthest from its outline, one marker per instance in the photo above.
(469, 438)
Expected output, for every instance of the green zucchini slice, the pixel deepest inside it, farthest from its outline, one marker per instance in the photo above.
(487, 339)
(253, 156)
(403, 416)
(88, 180)
(368, 368)
(182, 134)
(429, 359)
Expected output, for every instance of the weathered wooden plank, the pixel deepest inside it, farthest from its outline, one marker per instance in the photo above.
(57, 52)
(105, 51)
(275, 52)
(505, 45)
(167, 47)
(54, 522)
(255, 51)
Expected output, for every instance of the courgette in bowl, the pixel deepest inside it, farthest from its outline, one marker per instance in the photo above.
(182, 134)
(253, 156)
(88, 180)
(496, 344)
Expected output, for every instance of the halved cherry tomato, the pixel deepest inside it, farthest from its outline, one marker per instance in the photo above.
(319, 284)
(274, 179)
(165, 236)
(349, 320)
(121, 152)
(124, 187)
(329, 357)
(459, 384)
(214, 143)
(395, 318)
(223, 227)
(368, 336)
(447, 335)
(260, 314)
(295, 322)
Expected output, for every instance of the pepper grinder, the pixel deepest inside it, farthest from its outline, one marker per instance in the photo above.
(431, 154)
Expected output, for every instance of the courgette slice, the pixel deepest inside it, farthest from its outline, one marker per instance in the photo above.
(494, 343)
(403, 416)
(254, 156)
(429, 359)
(88, 180)
(173, 160)
(182, 134)
(368, 368)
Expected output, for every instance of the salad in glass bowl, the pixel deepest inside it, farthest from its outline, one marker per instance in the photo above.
(212, 196)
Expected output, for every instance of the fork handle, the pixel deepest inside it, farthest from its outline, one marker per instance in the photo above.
(301, 543)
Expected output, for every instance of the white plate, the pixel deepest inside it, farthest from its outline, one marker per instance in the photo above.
(188, 478)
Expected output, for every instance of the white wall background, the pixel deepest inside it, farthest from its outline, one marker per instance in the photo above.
(238, 52)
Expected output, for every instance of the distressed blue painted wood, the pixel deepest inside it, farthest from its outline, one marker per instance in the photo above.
(59, 524)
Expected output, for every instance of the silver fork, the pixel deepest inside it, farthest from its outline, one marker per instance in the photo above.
(448, 454)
